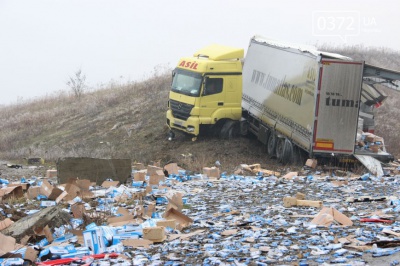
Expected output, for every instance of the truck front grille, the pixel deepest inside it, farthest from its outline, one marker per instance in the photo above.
(180, 110)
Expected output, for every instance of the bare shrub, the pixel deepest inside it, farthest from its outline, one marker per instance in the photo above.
(77, 83)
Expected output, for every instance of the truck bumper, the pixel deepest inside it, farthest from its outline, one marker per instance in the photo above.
(190, 126)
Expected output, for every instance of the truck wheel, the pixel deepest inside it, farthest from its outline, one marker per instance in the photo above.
(230, 130)
(284, 150)
(244, 128)
(288, 152)
(272, 140)
(280, 149)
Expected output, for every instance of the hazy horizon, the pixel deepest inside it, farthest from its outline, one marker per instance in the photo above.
(45, 41)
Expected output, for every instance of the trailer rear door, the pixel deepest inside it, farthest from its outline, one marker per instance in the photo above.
(337, 106)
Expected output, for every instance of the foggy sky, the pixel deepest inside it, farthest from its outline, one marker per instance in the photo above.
(43, 42)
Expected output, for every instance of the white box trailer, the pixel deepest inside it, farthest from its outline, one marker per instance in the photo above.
(297, 96)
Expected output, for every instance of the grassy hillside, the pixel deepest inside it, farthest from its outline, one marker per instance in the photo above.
(128, 121)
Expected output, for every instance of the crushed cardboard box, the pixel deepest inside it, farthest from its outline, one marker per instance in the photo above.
(328, 215)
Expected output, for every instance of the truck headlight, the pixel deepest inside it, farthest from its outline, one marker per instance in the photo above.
(190, 129)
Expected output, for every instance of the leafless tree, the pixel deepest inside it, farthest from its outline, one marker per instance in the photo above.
(77, 83)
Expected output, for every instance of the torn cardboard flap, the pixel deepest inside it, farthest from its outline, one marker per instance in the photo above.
(16, 192)
(7, 244)
(175, 198)
(78, 209)
(182, 219)
(328, 215)
(5, 223)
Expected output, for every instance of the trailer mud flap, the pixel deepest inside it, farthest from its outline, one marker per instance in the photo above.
(372, 164)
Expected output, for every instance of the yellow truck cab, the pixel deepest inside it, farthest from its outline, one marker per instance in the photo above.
(206, 91)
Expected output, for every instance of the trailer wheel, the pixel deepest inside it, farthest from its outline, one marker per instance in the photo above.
(271, 145)
(288, 152)
(230, 129)
(280, 149)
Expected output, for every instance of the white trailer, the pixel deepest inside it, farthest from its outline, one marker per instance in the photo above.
(299, 97)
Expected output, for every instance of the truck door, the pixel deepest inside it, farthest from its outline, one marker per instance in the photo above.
(337, 106)
(213, 96)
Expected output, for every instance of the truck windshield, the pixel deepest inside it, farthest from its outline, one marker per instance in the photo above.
(186, 82)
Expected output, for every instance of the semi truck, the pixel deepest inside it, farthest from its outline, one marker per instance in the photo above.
(293, 98)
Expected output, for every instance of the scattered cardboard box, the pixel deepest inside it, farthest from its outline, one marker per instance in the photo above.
(152, 170)
(328, 215)
(292, 201)
(139, 176)
(212, 172)
(157, 177)
(51, 173)
(155, 234)
(182, 220)
(311, 163)
(172, 168)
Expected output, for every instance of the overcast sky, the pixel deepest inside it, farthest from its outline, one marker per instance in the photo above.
(43, 42)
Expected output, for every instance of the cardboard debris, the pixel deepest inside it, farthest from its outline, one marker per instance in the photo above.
(135, 243)
(366, 199)
(15, 192)
(172, 237)
(300, 196)
(182, 219)
(139, 176)
(175, 200)
(24, 186)
(7, 244)
(172, 168)
(155, 234)
(44, 231)
(78, 209)
(255, 169)
(108, 184)
(290, 175)
(157, 177)
(5, 223)
(167, 223)
(212, 172)
(291, 201)
(311, 163)
(51, 173)
(152, 170)
(120, 220)
(229, 232)
(338, 183)
(328, 215)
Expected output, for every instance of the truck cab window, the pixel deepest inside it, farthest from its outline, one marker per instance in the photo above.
(213, 86)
